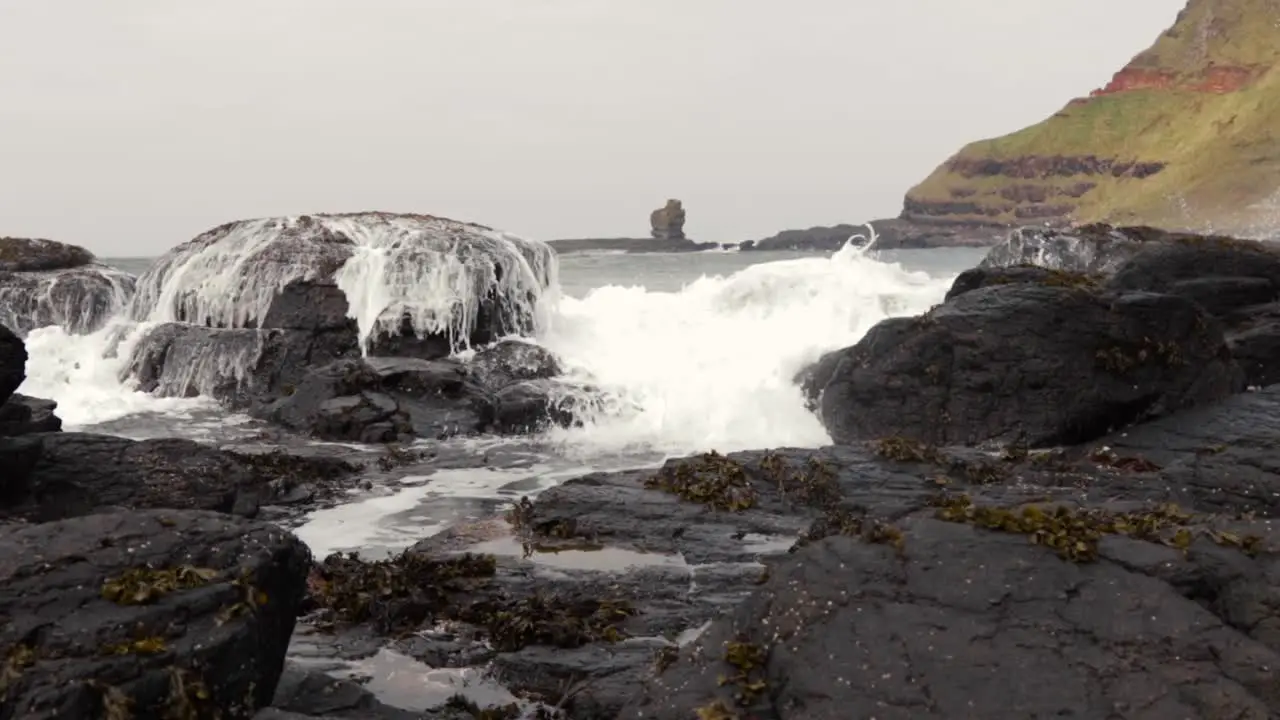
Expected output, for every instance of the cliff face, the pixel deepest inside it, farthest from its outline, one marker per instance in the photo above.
(1184, 136)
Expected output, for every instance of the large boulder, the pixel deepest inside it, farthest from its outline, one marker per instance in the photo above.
(1044, 363)
(446, 283)
(146, 615)
(45, 283)
(1237, 281)
(667, 222)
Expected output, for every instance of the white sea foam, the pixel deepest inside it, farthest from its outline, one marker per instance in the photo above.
(708, 366)
(712, 366)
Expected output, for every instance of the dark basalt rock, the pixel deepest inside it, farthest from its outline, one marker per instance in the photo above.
(1237, 281)
(235, 366)
(21, 415)
(146, 614)
(78, 474)
(509, 387)
(1048, 362)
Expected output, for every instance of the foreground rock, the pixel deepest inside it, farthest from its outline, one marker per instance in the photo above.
(146, 614)
(1141, 560)
(76, 474)
(45, 283)
(909, 553)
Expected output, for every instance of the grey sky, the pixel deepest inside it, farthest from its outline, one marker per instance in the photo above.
(129, 126)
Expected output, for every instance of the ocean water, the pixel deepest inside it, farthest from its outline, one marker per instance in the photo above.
(700, 349)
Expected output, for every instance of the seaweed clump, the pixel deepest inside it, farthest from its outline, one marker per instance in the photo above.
(748, 662)
(851, 522)
(711, 479)
(1066, 279)
(397, 594)
(1074, 533)
(907, 450)
(553, 621)
(813, 484)
(1121, 361)
(460, 702)
(1110, 458)
(901, 449)
(18, 659)
(144, 585)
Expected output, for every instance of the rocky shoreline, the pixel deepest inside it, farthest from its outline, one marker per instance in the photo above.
(892, 234)
(1065, 474)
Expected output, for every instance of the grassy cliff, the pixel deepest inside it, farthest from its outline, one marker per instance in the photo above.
(1184, 136)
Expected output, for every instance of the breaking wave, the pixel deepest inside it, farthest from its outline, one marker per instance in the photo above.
(709, 365)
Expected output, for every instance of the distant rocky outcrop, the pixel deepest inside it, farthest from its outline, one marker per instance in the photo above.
(1181, 138)
(666, 230)
(45, 283)
(667, 222)
(891, 234)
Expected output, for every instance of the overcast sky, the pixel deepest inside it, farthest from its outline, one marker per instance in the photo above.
(129, 126)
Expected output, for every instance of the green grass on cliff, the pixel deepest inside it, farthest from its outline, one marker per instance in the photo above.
(1221, 151)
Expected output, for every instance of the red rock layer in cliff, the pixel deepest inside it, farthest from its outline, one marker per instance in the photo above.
(1213, 79)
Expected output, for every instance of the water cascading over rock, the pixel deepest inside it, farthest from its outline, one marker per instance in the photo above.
(264, 312)
(44, 283)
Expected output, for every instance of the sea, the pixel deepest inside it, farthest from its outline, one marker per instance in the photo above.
(702, 348)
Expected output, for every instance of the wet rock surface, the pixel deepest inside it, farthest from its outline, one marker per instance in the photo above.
(275, 333)
(1236, 281)
(1054, 364)
(1151, 552)
(77, 474)
(21, 415)
(510, 387)
(45, 283)
(146, 614)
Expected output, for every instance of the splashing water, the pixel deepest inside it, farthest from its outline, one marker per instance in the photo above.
(439, 279)
(710, 365)
(713, 366)
(435, 272)
(79, 299)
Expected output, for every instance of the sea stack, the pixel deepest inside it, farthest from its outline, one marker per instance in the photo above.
(667, 222)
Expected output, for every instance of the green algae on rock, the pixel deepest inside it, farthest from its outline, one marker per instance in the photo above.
(1074, 532)
(142, 586)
